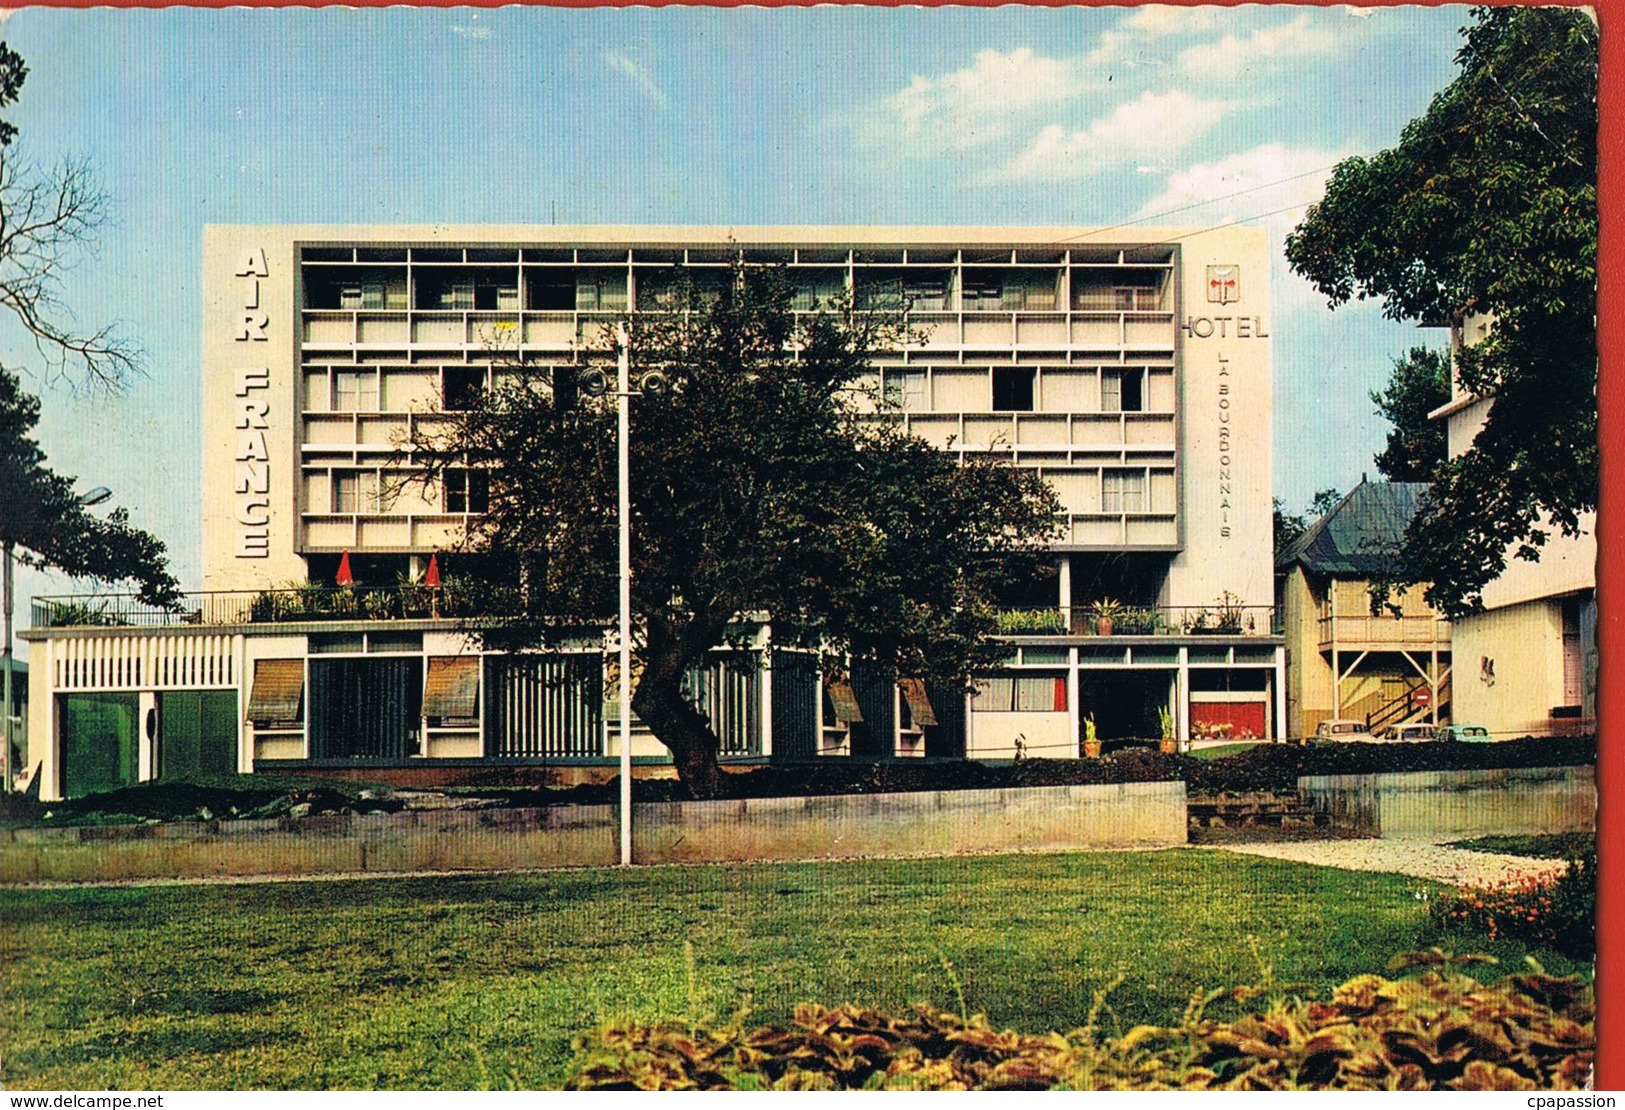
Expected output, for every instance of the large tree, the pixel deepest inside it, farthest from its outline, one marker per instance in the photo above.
(45, 219)
(1487, 207)
(43, 520)
(1420, 383)
(763, 482)
(49, 218)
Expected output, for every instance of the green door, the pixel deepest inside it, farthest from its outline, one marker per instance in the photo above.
(197, 733)
(100, 750)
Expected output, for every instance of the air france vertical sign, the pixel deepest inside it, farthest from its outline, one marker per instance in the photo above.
(251, 470)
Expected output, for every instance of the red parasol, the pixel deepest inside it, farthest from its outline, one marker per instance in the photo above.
(344, 577)
(431, 577)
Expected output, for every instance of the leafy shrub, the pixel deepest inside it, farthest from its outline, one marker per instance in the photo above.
(1436, 1028)
(1020, 622)
(1558, 913)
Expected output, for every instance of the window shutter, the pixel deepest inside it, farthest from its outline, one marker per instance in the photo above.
(277, 695)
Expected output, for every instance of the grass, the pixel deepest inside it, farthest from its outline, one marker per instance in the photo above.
(483, 981)
(1553, 846)
(1221, 751)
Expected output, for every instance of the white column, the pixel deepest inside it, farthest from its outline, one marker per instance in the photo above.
(1064, 596)
(1279, 731)
(1073, 681)
(146, 734)
(1184, 708)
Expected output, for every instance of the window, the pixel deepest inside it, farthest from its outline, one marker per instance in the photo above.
(355, 391)
(1021, 694)
(276, 700)
(1012, 389)
(457, 296)
(467, 491)
(1122, 391)
(461, 387)
(1122, 491)
(1131, 298)
(905, 389)
(925, 294)
(981, 294)
(451, 688)
(355, 491)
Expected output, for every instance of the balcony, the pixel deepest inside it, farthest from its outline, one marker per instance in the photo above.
(1364, 632)
(295, 605)
(1165, 620)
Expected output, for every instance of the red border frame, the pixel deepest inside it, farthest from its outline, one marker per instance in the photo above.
(1610, 1073)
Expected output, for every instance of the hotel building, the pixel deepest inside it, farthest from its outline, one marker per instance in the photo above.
(1131, 370)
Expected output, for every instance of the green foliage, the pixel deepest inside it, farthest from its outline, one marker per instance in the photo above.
(44, 520)
(760, 484)
(12, 74)
(1432, 1029)
(1031, 622)
(1559, 913)
(63, 614)
(1289, 526)
(1549, 846)
(1487, 206)
(1420, 383)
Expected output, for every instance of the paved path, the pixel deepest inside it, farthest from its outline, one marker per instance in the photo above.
(1422, 858)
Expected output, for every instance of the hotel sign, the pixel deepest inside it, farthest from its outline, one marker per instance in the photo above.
(251, 468)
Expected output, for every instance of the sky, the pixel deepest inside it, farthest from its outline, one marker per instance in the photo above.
(840, 115)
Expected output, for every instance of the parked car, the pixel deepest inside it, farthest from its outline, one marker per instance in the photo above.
(1343, 732)
(1408, 734)
(1477, 733)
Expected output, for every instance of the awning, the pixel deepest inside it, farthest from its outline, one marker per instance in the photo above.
(845, 701)
(278, 691)
(452, 687)
(919, 706)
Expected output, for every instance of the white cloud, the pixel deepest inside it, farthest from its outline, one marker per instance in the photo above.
(1172, 19)
(635, 73)
(1268, 186)
(1233, 55)
(976, 104)
(1154, 124)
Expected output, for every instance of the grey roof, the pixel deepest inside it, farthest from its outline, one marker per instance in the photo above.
(1360, 534)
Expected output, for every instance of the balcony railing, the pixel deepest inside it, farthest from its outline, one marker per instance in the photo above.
(239, 607)
(1162, 620)
(1367, 631)
(379, 603)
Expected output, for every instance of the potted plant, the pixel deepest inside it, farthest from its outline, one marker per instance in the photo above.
(1170, 742)
(1091, 742)
(1105, 611)
(1230, 609)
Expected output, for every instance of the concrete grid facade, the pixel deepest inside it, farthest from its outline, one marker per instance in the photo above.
(1133, 373)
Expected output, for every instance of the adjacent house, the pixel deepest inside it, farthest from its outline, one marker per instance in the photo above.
(1527, 663)
(1131, 370)
(1343, 660)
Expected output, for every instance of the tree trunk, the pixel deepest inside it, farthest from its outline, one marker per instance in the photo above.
(679, 726)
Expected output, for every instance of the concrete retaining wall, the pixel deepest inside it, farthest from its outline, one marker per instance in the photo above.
(1441, 804)
(1054, 818)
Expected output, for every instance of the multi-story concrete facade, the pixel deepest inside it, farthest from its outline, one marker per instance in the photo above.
(1526, 664)
(1132, 372)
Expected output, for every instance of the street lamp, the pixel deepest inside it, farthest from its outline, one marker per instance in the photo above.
(623, 482)
(93, 497)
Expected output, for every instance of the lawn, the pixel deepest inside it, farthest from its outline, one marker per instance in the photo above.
(482, 981)
(1553, 846)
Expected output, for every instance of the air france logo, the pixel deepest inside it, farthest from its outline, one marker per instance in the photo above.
(1223, 284)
